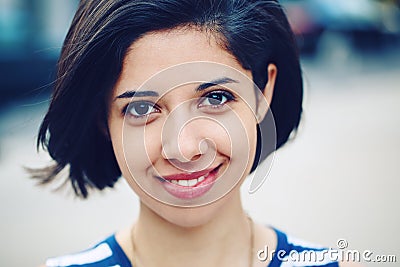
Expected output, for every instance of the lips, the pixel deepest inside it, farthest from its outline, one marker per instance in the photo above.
(190, 185)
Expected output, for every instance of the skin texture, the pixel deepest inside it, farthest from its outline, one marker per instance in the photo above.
(184, 233)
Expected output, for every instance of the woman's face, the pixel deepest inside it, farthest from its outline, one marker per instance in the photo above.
(182, 121)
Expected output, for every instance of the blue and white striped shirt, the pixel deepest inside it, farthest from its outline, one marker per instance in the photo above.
(289, 252)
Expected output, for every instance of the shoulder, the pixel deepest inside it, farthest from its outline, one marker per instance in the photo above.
(292, 251)
(106, 253)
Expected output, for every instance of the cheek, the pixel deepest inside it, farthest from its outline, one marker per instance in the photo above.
(246, 138)
(151, 146)
(141, 149)
(135, 148)
(233, 135)
(115, 131)
(251, 130)
(219, 135)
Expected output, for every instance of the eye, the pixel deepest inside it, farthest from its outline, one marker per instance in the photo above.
(216, 98)
(140, 109)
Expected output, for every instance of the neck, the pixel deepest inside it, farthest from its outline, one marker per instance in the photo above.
(223, 240)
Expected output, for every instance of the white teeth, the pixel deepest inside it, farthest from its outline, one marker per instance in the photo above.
(192, 182)
(183, 182)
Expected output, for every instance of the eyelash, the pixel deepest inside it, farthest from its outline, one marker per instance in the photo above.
(229, 97)
(130, 106)
(207, 96)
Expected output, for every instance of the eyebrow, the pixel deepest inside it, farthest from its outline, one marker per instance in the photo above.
(201, 87)
(219, 81)
(130, 94)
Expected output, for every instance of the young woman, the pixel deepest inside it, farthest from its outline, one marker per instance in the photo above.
(184, 99)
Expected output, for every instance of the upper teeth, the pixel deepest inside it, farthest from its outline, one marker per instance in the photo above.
(191, 182)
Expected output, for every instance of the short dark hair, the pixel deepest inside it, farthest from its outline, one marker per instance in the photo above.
(256, 32)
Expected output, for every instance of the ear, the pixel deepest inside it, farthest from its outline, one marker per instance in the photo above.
(265, 101)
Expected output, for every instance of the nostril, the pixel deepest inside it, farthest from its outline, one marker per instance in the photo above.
(182, 152)
(196, 157)
(188, 154)
(194, 160)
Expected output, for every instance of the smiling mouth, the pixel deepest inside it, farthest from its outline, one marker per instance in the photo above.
(190, 185)
(191, 179)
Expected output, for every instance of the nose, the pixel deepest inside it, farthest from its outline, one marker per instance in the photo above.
(183, 142)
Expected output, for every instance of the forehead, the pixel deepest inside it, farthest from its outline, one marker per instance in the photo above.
(162, 60)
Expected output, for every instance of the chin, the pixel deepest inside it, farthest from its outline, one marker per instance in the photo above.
(192, 217)
(185, 217)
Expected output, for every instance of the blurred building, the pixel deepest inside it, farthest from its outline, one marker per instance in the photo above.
(367, 25)
(31, 34)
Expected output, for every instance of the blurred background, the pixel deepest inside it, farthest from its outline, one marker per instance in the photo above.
(339, 178)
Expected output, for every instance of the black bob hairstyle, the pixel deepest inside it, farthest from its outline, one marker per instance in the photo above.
(256, 32)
